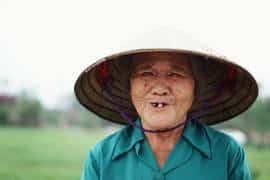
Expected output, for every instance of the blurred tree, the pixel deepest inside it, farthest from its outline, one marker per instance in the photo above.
(51, 117)
(6, 104)
(255, 122)
(4, 114)
(76, 115)
(27, 111)
(258, 116)
(258, 122)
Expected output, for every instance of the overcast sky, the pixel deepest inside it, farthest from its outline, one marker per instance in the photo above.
(44, 45)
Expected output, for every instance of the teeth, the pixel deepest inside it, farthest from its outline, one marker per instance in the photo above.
(159, 105)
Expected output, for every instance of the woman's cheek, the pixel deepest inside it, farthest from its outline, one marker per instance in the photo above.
(143, 84)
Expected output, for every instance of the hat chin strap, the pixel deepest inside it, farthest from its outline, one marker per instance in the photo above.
(131, 120)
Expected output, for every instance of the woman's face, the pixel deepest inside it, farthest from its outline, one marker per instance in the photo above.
(162, 89)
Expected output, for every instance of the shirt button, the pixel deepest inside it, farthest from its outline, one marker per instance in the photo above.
(159, 176)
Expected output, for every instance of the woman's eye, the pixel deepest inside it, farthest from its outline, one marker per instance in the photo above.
(147, 73)
(172, 74)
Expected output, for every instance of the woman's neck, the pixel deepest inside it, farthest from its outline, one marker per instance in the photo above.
(163, 141)
(162, 144)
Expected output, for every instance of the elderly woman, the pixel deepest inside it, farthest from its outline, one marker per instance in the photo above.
(168, 97)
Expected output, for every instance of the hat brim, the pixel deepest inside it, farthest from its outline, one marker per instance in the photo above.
(223, 88)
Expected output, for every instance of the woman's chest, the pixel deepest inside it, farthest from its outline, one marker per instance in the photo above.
(140, 169)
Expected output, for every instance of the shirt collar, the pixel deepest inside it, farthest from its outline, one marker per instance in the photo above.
(127, 139)
(197, 135)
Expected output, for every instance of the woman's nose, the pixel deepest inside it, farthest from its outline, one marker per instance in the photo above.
(160, 90)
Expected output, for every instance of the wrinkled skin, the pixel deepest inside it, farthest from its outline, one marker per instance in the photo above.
(162, 78)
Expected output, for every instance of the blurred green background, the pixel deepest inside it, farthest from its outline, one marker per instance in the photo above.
(41, 143)
(49, 154)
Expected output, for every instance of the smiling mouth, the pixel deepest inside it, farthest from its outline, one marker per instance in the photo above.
(158, 104)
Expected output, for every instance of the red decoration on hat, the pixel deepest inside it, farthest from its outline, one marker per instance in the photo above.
(103, 72)
(230, 78)
(231, 73)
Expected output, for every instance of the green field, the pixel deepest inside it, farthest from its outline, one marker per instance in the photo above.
(54, 154)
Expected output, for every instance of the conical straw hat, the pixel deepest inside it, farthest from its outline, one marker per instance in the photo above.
(223, 88)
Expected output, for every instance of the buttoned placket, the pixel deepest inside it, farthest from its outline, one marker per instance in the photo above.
(180, 154)
(159, 176)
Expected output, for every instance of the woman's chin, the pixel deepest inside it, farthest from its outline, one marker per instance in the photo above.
(158, 123)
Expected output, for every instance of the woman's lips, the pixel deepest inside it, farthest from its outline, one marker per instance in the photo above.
(158, 104)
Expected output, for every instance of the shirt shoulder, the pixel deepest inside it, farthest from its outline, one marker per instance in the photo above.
(221, 140)
(232, 152)
(100, 155)
(107, 144)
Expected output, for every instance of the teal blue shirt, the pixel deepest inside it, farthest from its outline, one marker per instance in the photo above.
(202, 153)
